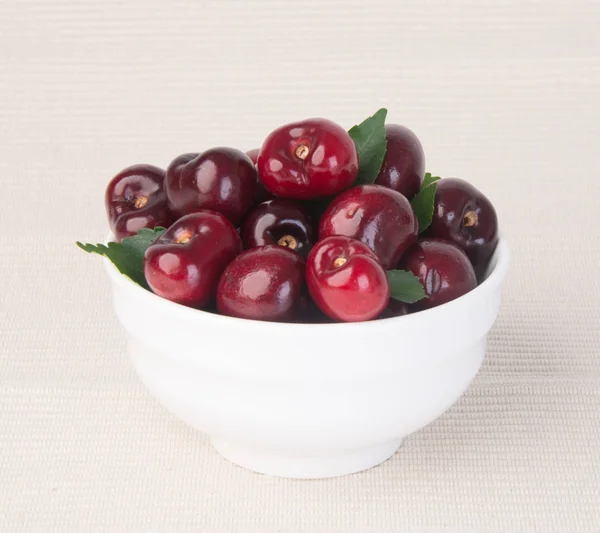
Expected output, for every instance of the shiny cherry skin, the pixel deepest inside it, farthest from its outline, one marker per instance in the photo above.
(464, 215)
(380, 217)
(403, 167)
(184, 264)
(135, 198)
(265, 283)
(220, 179)
(308, 159)
(310, 314)
(261, 194)
(394, 308)
(443, 268)
(280, 222)
(174, 170)
(345, 280)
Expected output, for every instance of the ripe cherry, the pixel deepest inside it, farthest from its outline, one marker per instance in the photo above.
(261, 194)
(464, 215)
(135, 198)
(308, 159)
(309, 313)
(253, 154)
(380, 217)
(345, 280)
(220, 179)
(265, 283)
(403, 167)
(184, 264)
(443, 269)
(280, 222)
(175, 168)
(394, 308)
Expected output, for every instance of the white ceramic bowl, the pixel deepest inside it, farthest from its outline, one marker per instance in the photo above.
(307, 400)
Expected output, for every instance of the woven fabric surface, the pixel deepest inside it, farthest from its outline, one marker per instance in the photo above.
(503, 94)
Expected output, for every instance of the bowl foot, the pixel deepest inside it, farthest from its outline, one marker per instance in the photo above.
(311, 467)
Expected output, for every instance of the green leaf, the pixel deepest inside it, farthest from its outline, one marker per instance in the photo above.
(429, 179)
(128, 255)
(405, 286)
(423, 202)
(370, 141)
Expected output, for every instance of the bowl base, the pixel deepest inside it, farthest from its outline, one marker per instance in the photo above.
(311, 467)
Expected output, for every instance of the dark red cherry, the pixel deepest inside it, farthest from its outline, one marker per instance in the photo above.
(403, 167)
(184, 264)
(310, 313)
(265, 283)
(443, 268)
(346, 280)
(253, 154)
(175, 168)
(261, 194)
(464, 215)
(380, 217)
(135, 198)
(394, 308)
(280, 222)
(220, 179)
(309, 159)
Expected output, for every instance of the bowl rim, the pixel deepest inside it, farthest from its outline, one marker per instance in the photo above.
(493, 280)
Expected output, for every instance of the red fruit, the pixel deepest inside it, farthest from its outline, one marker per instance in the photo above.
(184, 264)
(394, 308)
(280, 222)
(135, 198)
(403, 167)
(264, 283)
(463, 215)
(220, 179)
(443, 268)
(175, 168)
(261, 194)
(345, 280)
(378, 216)
(253, 154)
(309, 313)
(308, 159)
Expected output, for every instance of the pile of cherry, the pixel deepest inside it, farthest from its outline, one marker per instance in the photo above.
(284, 234)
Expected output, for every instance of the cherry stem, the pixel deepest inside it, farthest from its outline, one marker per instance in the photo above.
(140, 202)
(302, 151)
(339, 262)
(288, 241)
(183, 237)
(470, 219)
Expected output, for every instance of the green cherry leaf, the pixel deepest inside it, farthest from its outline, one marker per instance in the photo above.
(429, 179)
(127, 255)
(405, 286)
(369, 139)
(423, 202)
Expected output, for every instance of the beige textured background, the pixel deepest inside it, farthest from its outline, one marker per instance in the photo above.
(503, 94)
